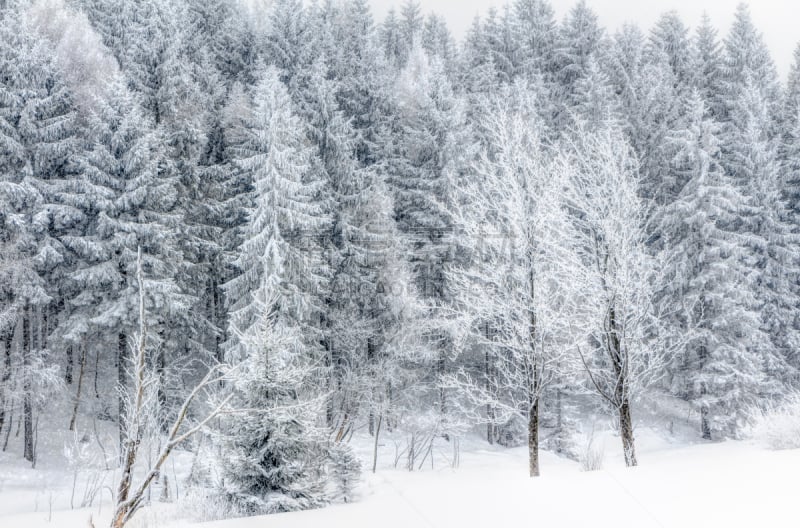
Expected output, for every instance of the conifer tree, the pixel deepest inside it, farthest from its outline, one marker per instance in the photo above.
(669, 40)
(278, 251)
(746, 56)
(38, 134)
(272, 457)
(752, 160)
(708, 65)
(130, 205)
(536, 31)
(433, 153)
(577, 44)
(709, 284)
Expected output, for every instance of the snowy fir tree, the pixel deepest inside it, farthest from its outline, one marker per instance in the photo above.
(709, 281)
(273, 455)
(283, 218)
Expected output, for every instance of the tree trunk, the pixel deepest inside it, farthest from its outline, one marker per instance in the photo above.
(96, 373)
(387, 411)
(70, 366)
(375, 447)
(122, 351)
(5, 380)
(8, 431)
(559, 420)
(44, 327)
(626, 432)
(533, 437)
(119, 519)
(331, 366)
(343, 427)
(535, 387)
(620, 393)
(129, 418)
(705, 425)
(129, 458)
(161, 371)
(440, 370)
(53, 321)
(27, 395)
(218, 317)
(82, 367)
(490, 410)
(371, 363)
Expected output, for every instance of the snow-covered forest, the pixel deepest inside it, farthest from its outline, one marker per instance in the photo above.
(270, 239)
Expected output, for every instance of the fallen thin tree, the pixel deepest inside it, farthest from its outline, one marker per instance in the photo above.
(130, 496)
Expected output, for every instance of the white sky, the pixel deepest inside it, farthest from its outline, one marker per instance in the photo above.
(779, 20)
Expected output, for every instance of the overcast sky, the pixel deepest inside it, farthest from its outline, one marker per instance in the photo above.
(779, 20)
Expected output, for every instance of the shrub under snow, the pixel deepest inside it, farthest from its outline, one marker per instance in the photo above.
(590, 454)
(779, 427)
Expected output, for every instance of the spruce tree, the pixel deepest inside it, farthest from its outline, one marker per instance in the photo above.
(670, 39)
(535, 30)
(278, 250)
(433, 152)
(40, 202)
(752, 158)
(707, 60)
(746, 56)
(272, 458)
(578, 40)
(709, 283)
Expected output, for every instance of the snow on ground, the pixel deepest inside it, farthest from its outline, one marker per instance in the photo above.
(732, 484)
(678, 484)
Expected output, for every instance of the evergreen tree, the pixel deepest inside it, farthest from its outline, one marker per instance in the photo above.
(650, 103)
(669, 40)
(40, 204)
(433, 153)
(391, 38)
(709, 284)
(223, 28)
(140, 35)
(536, 32)
(577, 44)
(753, 162)
(594, 100)
(502, 44)
(272, 458)
(131, 205)
(577, 63)
(437, 42)
(791, 145)
(278, 252)
(746, 56)
(287, 39)
(476, 73)
(708, 65)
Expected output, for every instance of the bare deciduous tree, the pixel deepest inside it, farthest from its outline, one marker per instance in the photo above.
(625, 350)
(512, 302)
(130, 495)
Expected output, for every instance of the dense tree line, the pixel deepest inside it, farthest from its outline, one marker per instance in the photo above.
(389, 230)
